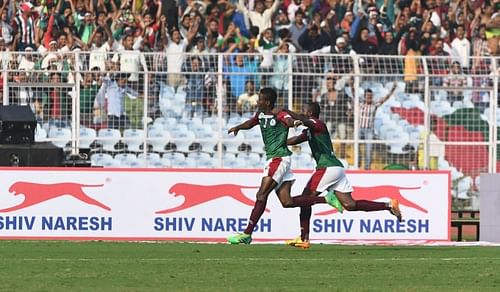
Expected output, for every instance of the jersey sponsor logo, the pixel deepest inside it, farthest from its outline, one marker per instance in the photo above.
(374, 193)
(36, 193)
(195, 195)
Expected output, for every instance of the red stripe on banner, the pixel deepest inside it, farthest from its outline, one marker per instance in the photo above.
(273, 166)
(316, 178)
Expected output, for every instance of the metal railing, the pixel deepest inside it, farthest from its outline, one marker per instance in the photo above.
(440, 115)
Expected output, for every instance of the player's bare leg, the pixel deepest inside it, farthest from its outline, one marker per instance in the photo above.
(369, 206)
(266, 186)
(305, 217)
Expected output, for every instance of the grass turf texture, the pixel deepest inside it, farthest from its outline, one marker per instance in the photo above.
(111, 266)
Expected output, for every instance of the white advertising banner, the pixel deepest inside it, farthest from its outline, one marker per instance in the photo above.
(207, 205)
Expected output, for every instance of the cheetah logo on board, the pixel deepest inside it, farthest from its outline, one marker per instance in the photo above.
(378, 192)
(36, 193)
(195, 195)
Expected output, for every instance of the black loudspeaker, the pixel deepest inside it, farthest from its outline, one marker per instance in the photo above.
(17, 124)
(38, 154)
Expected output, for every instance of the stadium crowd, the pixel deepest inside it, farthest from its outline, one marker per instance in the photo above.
(132, 36)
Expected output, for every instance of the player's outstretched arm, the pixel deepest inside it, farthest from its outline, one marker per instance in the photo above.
(296, 139)
(300, 117)
(243, 126)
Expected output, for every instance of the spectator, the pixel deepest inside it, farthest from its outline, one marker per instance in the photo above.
(175, 48)
(213, 34)
(439, 66)
(100, 47)
(267, 47)
(247, 101)
(279, 80)
(5, 28)
(57, 103)
(24, 27)
(232, 39)
(346, 22)
(130, 58)
(281, 21)
(313, 39)
(337, 112)
(462, 48)
(297, 28)
(262, 16)
(111, 99)
(367, 111)
(84, 29)
(240, 71)
(196, 93)
(455, 80)
(88, 92)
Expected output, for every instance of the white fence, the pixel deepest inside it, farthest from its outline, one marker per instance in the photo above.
(440, 116)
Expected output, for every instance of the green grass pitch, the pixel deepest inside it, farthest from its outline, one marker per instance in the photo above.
(132, 266)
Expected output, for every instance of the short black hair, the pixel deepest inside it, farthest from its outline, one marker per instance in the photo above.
(269, 94)
(314, 107)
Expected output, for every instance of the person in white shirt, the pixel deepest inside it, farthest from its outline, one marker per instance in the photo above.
(130, 58)
(99, 49)
(247, 101)
(174, 50)
(461, 48)
(261, 17)
(111, 98)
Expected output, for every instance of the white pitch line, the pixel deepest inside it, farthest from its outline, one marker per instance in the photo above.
(242, 259)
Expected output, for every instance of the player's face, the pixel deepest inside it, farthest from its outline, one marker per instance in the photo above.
(308, 111)
(262, 103)
(369, 97)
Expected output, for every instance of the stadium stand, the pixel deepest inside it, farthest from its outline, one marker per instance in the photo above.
(190, 75)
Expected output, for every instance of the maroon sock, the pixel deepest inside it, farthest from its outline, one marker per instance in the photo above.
(257, 211)
(303, 201)
(305, 217)
(368, 206)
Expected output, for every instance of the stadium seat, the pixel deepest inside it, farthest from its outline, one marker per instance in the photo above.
(206, 162)
(214, 122)
(194, 122)
(40, 134)
(165, 106)
(182, 139)
(187, 163)
(134, 138)
(236, 163)
(87, 137)
(441, 108)
(301, 160)
(232, 142)
(234, 120)
(60, 136)
(150, 159)
(132, 163)
(100, 159)
(172, 158)
(249, 157)
(180, 97)
(122, 157)
(167, 123)
(158, 139)
(108, 138)
(398, 147)
(206, 137)
(253, 138)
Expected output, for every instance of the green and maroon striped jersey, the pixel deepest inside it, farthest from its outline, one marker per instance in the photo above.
(321, 145)
(274, 133)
